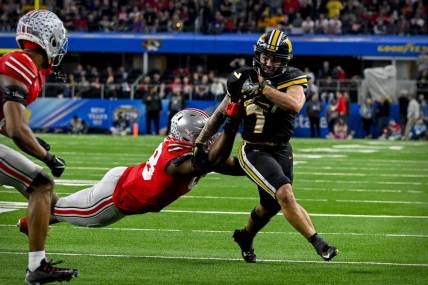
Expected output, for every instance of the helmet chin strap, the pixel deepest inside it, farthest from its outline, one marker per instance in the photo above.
(47, 68)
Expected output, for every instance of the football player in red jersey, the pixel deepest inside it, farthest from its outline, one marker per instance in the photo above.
(43, 41)
(150, 186)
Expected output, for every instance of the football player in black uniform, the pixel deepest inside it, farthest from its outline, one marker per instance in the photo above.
(270, 94)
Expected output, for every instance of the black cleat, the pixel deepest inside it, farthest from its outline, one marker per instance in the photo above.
(242, 238)
(47, 273)
(328, 252)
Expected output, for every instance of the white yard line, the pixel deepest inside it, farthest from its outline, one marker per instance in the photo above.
(370, 263)
(78, 159)
(23, 205)
(19, 205)
(311, 200)
(343, 167)
(241, 198)
(356, 190)
(233, 186)
(387, 162)
(77, 181)
(348, 174)
(362, 182)
(85, 182)
(384, 235)
(311, 214)
(383, 202)
(88, 168)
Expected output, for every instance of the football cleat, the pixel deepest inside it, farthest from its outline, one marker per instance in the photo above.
(328, 252)
(241, 237)
(47, 273)
(22, 225)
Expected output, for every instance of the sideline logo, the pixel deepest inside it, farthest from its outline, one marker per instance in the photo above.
(151, 45)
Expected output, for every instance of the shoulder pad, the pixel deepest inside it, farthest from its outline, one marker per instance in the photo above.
(19, 65)
(293, 76)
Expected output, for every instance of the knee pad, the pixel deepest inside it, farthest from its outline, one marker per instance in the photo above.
(40, 180)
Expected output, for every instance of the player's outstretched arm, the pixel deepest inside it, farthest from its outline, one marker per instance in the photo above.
(214, 123)
(222, 147)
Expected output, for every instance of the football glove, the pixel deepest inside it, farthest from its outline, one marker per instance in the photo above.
(44, 144)
(55, 164)
(250, 89)
(254, 90)
(200, 157)
(234, 85)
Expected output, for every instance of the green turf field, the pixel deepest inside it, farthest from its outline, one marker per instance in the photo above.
(369, 198)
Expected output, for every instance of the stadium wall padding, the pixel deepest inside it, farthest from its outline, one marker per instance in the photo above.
(52, 114)
(190, 43)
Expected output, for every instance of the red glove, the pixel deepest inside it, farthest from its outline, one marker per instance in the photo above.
(232, 110)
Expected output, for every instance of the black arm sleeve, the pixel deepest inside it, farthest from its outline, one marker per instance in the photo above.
(199, 168)
(14, 93)
(227, 169)
(179, 160)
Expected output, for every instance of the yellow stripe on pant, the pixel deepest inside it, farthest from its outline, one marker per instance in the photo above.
(253, 173)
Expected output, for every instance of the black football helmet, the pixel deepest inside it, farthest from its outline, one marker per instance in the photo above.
(276, 46)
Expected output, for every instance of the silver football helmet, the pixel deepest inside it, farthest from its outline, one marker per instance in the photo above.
(187, 124)
(45, 29)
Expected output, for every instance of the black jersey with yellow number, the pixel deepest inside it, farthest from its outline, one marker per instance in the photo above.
(263, 120)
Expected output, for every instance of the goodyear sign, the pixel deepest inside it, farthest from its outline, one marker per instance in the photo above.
(403, 49)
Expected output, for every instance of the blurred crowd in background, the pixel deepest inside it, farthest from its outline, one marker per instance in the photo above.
(392, 17)
(331, 87)
(90, 81)
(182, 84)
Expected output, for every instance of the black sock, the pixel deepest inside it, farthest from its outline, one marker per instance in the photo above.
(258, 223)
(313, 238)
(318, 243)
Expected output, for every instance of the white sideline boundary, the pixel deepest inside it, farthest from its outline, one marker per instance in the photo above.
(370, 263)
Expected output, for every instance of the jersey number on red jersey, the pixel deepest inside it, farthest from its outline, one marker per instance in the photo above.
(149, 168)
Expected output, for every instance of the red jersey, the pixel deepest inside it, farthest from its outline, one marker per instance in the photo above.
(147, 187)
(19, 65)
